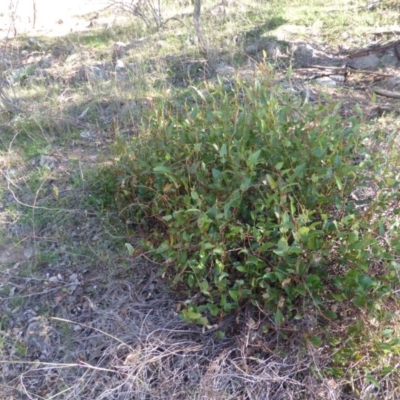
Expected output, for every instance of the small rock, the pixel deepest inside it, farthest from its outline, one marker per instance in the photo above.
(303, 52)
(97, 73)
(28, 252)
(393, 83)
(41, 73)
(46, 62)
(34, 44)
(53, 279)
(37, 337)
(119, 49)
(270, 46)
(5, 64)
(219, 9)
(87, 135)
(73, 57)
(47, 161)
(390, 60)
(224, 70)
(337, 78)
(120, 66)
(326, 81)
(370, 61)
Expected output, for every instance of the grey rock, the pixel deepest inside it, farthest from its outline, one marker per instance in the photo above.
(41, 73)
(326, 81)
(120, 66)
(90, 73)
(33, 44)
(28, 252)
(224, 70)
(96, 72)
(87, 135)
(37, 337)
(45, 62)
(47, 161)
(337, 78)
(219, 9)
(370, 61)
(303, 51)
(394, 82)
(73, 57)
(390, 60)
(270, 46)
(119, 49)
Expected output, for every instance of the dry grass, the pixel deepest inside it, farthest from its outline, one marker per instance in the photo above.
(129, 342)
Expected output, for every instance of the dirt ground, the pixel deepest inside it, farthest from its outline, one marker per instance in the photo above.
(46, 17)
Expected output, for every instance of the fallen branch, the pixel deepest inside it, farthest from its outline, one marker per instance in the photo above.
(379, 49)
(381, 33)
(386, 93)
(345, 69)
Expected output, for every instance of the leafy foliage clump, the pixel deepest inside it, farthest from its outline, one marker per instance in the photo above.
(248, 197)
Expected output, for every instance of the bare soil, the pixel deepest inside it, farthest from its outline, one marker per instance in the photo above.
(48, 17)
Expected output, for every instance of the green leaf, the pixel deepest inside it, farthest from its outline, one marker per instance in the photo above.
(371, 379)
(359, 301)
(162, 169)
(279, 166)
(271, 181)
(252, 160)
(330, 314)
(223, 152)
(316, 341)
(216, 173)
(337, 297)
(193, 315)
(304, 230)
(283, 246)
(194, 195)
(213, 308)
(220, 334)
(234, 294)
(387, 370)
(338, 182)
(301, 291)
(204, 287)
(299, 171)
(278, 317)
(130, 248)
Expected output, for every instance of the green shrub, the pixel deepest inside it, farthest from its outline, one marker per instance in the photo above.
(247, 197)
